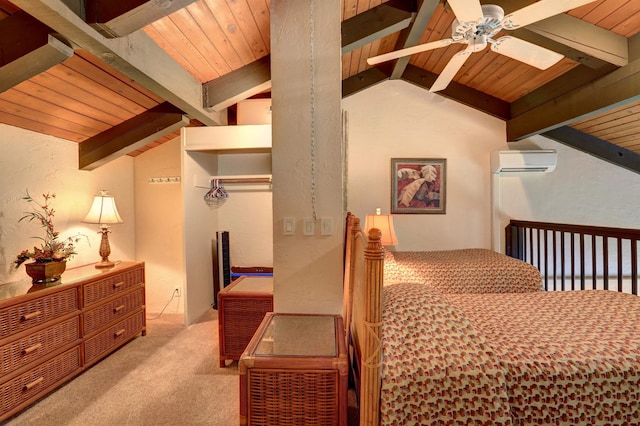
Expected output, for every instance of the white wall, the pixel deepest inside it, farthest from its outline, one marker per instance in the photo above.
(581, 190)
(40, 164)
(396, 119)
(159, 226)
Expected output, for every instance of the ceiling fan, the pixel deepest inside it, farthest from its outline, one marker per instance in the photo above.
(476, 24)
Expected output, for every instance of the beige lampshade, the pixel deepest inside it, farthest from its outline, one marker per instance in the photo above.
(384, 222)
(103, 210)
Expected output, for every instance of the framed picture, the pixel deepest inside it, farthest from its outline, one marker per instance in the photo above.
(418, 185)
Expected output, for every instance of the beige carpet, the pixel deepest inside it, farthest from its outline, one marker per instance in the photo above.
(170, 376)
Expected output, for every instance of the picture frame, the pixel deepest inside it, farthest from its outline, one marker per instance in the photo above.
(418, 185)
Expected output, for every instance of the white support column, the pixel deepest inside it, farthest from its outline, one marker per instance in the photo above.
(307, 154)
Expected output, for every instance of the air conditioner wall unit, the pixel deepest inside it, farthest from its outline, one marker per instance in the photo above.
(521, 162)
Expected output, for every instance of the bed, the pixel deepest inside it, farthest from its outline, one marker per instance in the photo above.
(473, 270)
(424, 356)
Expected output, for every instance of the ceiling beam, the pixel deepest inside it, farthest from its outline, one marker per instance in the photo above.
(613, 90)
(585, 37)
(363, 80)
(459, 93)
(27, 49)
(595, 146)
(376, 23)
(358, 31)
(571, 80)
(136, 55)
(573, 32)
(237, 85)
(411, 36)
(119, 18)
(130, 135)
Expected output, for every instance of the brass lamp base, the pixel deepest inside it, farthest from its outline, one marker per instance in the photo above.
(105, 265)
(105, 249)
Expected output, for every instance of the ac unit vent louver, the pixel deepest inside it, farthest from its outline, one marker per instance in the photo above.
(521, 162)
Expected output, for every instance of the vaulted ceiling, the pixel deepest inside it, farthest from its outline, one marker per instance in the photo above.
(122, 77)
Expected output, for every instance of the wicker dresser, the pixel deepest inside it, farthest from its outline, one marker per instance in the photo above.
(241, 308)
(295, 372)
(49, 334)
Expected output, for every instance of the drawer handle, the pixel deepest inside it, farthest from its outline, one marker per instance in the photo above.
(30, 349)
(120, 332)
(31, 315)
(118, 308)
(36, 382)
(118, 284)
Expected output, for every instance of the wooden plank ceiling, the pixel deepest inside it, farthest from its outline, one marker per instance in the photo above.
(187, 64)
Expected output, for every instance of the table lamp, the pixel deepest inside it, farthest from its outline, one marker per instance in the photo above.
(384, 222)
(104, 212)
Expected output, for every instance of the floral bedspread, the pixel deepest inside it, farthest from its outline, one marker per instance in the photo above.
(437, 369)
(559, 358)
(462, 271)
(569, 358)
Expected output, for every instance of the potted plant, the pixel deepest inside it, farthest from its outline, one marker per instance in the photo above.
(50, 259)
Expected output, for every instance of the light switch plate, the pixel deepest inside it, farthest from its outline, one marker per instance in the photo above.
(289, 226)
(326, 226)
(308, 226)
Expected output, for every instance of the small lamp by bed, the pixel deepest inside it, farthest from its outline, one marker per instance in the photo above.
(384, 222)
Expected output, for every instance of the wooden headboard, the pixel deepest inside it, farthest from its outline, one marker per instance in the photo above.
(363, 281)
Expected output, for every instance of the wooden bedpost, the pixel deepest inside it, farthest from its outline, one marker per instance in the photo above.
(352, 229)
(372, 339)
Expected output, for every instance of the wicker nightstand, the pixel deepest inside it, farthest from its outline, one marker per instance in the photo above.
(295, 372)
(241, 308)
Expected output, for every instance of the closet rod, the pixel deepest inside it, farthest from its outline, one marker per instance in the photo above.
(225, 180)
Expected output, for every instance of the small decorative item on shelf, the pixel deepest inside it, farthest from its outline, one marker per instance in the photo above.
(50, 259)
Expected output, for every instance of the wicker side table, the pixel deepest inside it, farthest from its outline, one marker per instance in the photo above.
(241, 308)
(295, 372)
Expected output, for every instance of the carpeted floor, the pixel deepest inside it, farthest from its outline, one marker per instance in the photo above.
(170, 376)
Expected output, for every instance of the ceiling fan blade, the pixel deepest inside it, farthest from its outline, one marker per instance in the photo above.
(450, 70)
(409, 51)
(466, 10)
(526, 52)
(538, 11)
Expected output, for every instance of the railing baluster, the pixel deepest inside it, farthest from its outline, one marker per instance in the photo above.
(562, 256)
(594, 269)
(582, 286)
(619, 240)
(555, 261)
(634, 266)
(529, 236)
(605, 261)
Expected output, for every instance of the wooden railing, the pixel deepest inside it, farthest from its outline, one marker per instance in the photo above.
(576, 257)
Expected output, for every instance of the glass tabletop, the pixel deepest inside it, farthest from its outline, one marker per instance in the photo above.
(298, 335)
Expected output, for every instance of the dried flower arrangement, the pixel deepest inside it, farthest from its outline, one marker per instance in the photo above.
(51, 249)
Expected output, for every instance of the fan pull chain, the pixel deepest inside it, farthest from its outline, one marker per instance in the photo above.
(313, 110)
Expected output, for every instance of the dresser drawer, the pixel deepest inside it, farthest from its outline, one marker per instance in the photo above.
(97, 346)
(102, 315)
(99, 290)
(27, 387)
(24, 316)
(21, 352)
